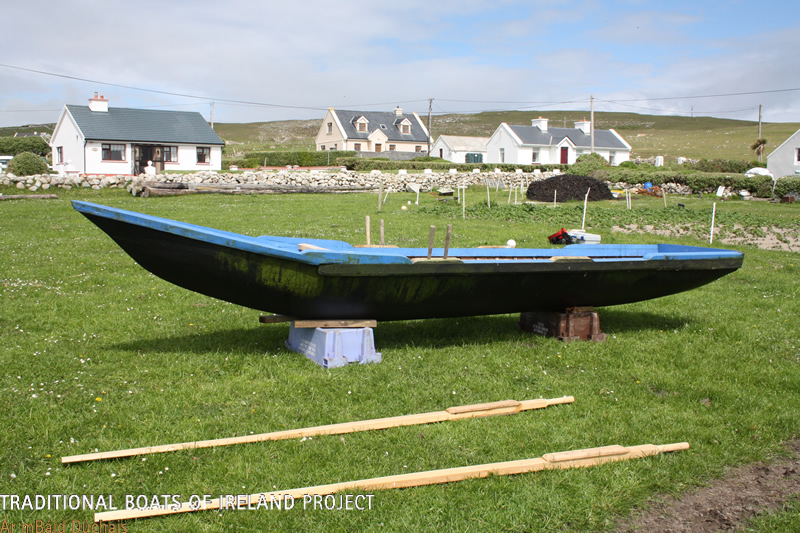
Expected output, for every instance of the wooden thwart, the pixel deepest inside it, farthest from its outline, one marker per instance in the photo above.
(551, 461)
(507, 407)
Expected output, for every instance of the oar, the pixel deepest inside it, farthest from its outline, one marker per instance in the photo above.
(507, 407)
(551, 461)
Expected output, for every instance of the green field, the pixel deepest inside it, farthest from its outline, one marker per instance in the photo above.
(98, 354)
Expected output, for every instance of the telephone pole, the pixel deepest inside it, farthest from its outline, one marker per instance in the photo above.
(591, 105)
(430, 109)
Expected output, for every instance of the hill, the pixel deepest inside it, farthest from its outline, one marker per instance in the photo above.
(648, 135)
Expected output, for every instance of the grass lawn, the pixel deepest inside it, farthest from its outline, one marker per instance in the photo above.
(98, 354)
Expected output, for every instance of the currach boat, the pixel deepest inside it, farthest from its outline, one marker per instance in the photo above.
(327, 279)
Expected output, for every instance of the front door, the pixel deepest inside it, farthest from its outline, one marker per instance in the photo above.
(142, 153)
(564, 155)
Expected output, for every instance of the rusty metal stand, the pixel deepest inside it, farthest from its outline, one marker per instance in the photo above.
(576, 324)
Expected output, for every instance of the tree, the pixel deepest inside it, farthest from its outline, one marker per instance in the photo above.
(758, 147)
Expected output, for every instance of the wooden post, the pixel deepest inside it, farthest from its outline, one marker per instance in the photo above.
(430, 242)
(368, 232)
(550, 461)
(713, 214)
(447, 240)
(382, 234)
(380, 197)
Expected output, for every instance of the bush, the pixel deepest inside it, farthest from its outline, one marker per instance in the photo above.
(588, 164)
(627, 164)
(27, 164)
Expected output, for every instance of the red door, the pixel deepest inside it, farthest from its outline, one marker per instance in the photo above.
(564, 155)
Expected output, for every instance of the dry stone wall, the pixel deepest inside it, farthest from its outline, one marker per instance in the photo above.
(298, 178)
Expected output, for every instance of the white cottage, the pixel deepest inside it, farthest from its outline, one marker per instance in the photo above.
(460, 149)
(96, 139)
(540, 144)
(785, 159)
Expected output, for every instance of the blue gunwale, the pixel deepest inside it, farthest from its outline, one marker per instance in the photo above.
(340, 252)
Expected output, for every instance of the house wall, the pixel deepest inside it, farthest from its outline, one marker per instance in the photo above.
(783, 161)
(447, 153)
(329, 140)
(95, 164)
(503, 139)
(70, 139)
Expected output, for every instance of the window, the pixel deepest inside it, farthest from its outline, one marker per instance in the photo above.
(113, 152)
(330, 128)
(171, 154)
(60, 154)
(502, 155)
(392, 147)
(612, 157)
(535, 157)
(798, 156)
(362, 126)
(322, 147)
(418, 148)
(378, 147)
(357, 147)
(405, 128)
(203, 154)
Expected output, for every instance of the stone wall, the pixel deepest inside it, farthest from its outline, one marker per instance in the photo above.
(342, 178)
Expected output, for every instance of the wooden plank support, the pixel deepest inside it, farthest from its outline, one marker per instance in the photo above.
(332, 323)
(551, 461)
(507, 407)
(274, 319)
(335, 323)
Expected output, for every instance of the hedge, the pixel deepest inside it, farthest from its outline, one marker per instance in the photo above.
(698, 181)
(365, 165)
(787, 185)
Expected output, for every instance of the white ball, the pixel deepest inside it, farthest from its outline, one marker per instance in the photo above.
(511, 243)
(409, 202)
(404, 208)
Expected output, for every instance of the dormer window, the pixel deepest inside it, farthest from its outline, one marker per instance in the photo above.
(404, 126)
(362, 125)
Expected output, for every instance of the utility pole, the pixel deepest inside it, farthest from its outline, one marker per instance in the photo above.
(591, 105)
(430, 109)
(761, 147)
(212, 115)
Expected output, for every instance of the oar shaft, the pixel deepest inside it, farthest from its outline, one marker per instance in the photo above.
(453, 413)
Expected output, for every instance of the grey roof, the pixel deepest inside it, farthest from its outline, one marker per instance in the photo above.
(385, 121)
(144, 125)
(533, 135)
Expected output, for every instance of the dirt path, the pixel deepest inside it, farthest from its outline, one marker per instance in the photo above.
(729, 503)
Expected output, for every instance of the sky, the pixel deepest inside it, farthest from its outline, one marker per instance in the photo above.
(256, 61)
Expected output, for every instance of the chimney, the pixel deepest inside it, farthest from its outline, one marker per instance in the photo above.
(398, 111)
(98, 104)
(585, 126)
(540, 123)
